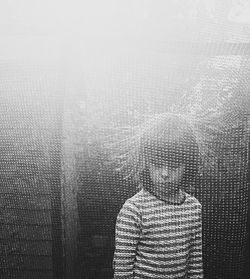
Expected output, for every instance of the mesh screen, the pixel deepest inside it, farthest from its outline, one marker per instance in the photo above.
(145, 85)
(210, 92)
(30, 168)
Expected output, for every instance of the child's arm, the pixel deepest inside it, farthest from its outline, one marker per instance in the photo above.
(195, 270)
(126, 239)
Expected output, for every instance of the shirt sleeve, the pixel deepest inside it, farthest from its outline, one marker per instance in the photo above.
(127, 235)
(195, 268)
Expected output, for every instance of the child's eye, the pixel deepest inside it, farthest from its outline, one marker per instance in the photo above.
(158, 163)
(172, 165)
(172, 169)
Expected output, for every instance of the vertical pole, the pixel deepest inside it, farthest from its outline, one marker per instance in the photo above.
(56, 215)
(69, 191)
(246, 269)
(248, 215)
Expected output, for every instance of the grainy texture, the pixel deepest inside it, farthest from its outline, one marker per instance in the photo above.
(203, 84)
(28, 122)
(155, 239)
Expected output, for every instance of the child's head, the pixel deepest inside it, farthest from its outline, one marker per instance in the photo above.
(168, 150)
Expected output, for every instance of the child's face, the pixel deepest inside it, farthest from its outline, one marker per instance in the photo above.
(166, 178)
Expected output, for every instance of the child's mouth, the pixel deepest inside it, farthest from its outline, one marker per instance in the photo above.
(169, 185)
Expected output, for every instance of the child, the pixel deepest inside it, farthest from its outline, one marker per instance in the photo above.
(158, 230)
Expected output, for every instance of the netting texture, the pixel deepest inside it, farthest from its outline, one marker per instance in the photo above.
(30, 167)
(209, 95)
(106, 107)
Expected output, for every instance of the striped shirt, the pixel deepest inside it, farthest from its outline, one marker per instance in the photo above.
(156, 239)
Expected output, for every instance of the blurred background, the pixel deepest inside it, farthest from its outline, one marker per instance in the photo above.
(73, 74)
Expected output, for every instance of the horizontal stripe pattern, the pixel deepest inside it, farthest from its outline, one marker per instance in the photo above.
(155, 239)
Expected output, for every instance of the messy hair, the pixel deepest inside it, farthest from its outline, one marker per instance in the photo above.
(164, 139)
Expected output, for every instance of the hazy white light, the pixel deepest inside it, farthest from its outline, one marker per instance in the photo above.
(240, 13)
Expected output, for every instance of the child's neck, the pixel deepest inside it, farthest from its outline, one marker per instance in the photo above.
(176, 197)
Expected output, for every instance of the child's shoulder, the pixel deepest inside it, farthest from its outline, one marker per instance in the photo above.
(192, 200)
(133, 204)
(138, 199)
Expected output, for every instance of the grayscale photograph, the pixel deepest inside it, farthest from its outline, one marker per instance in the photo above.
(125, 139)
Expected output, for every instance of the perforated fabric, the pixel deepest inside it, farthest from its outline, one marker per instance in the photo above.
(124, 64)
(216, 105)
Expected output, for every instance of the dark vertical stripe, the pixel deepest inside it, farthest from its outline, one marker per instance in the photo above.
(56, 217)
(247, 248)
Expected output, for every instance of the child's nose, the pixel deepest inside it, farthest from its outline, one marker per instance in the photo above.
(165, 174)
